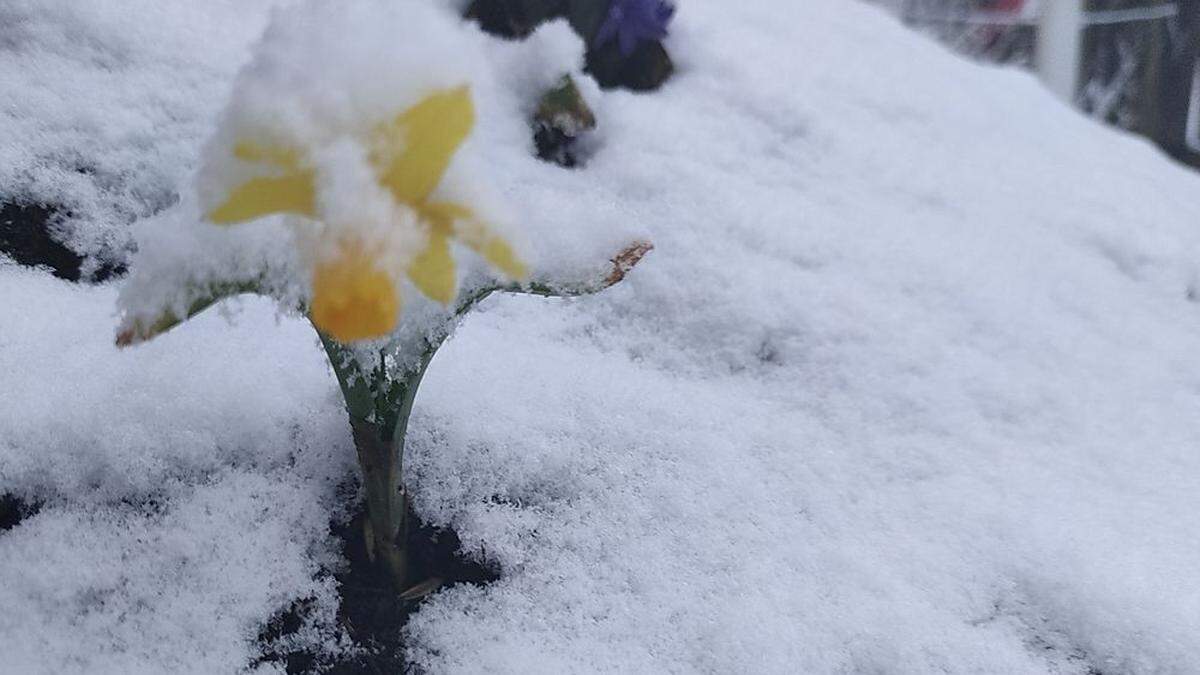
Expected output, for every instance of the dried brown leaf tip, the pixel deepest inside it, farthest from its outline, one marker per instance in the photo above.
(126, 337)
(134, 331)
(627, 260)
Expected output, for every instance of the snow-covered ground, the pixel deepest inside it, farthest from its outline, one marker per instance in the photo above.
(910, 384)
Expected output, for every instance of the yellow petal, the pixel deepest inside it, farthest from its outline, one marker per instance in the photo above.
(353, 299)
(413, 150)
(444, 213)
(249, 151)
(433, 270)
(472, 232)
(258, 197)
(499, 253)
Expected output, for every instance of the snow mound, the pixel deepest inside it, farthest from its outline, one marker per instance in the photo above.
(909, 385)
(106, 104)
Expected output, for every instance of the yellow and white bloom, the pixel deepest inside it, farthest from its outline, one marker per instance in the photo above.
(355, 292)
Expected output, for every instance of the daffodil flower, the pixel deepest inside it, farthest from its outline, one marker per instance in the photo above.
(354, 298)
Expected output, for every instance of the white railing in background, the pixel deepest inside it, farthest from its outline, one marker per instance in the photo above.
(1060, 47)
(1059, 52)
(1106, 61)
(1192, 133)
(1046, 35)
(1131, 15)
(1028, 15)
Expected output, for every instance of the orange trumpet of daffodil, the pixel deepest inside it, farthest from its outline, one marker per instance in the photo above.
(353, 297)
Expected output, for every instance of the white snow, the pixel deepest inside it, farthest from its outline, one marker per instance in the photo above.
(188, 489)
(106, 103)
(910, 384)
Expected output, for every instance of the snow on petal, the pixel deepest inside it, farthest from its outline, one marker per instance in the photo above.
(428, 134)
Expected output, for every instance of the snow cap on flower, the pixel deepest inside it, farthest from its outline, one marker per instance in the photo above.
(346, 121)
(631, 22)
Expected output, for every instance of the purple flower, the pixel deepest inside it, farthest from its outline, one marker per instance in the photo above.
(632, 21)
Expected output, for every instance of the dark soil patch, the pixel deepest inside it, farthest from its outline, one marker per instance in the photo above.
(371, 612)
(28, 235)
(514, 19)
(13, 510)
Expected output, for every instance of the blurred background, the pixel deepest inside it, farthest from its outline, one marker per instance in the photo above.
(1134, 64)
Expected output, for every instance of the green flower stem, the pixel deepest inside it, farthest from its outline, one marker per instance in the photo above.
(379, 404)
